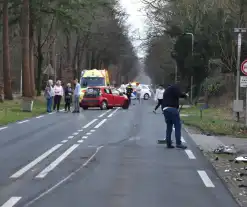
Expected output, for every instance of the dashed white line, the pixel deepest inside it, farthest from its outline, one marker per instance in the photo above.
(206, 180)
(90, 123)
(183, 140)
(80, 141)
(88, 133)
(38, 117)
(56, 162)
(52, 113)
(2, 128)
(80, 130)
(64, 141)
(70, 137)
(36, 161)
(76, 133)
(190, 154)
(92, 130)
(104, 113)
(21, 122)
(99, 124)
(64, 180)
(110, 115)
(11, 202)
(84, 137)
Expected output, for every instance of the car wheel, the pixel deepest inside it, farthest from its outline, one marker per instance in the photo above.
(104, 105)
(146, 96)
(85, 108)
(125, 105)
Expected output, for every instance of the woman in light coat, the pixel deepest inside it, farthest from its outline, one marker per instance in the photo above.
(58, 90)
(159, 97)
(49, 93)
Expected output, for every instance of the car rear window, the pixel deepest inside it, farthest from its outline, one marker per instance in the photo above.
(92, 92)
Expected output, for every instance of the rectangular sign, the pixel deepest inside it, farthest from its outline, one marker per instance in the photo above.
(243, 81)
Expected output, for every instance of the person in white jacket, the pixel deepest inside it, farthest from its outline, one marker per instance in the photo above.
(58, 91)
(159, 97)
(123, 88)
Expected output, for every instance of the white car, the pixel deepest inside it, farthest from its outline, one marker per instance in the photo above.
(145, 92)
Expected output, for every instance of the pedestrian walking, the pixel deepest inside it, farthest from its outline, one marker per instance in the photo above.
(170, 106)
(159, 97)
(77, 93)
(49, 93)
(68, 97)
(58, 90)
(138, 92)
(129, 91)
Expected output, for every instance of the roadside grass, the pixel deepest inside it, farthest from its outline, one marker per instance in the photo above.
(215, 121)
(10, 111)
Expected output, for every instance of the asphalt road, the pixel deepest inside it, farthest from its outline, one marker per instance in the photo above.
(103, 158)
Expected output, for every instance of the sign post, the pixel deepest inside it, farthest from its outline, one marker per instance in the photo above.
(243, 84)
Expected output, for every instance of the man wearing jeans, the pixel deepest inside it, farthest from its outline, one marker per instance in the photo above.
(170, 106)
(77, 96)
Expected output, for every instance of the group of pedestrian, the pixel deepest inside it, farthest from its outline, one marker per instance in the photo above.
(128, 90)
(54, 95)
(168, 99)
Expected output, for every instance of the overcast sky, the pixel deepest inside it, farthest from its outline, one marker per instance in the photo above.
(136, 20)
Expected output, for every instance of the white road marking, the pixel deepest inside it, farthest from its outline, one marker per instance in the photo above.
(183, 140)
(88, 133)
(70, 137)
(99, 124)
(76, 133)
(104, 113)
(80, 130)
(90, 123)
(62, 110)
(2, 128)
(84, 137)
(11, 202)
(56, 162)
(38, 117)
(190, 154)
(92, 130)
(110, 115)
(80, 141)
(64, 141)
(64, 180)
(206, 180)
(21, 122)
(35, 162)
(52, 113)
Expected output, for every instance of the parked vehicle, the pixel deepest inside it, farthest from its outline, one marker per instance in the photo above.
(104, 97)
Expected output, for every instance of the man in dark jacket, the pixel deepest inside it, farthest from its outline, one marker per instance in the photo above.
(129, 91)
(170, 106)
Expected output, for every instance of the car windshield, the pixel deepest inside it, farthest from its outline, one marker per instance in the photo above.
(92, 81)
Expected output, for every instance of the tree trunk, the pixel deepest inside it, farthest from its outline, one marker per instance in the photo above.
(31, 56)
(40, 63)
(68, 51)
(27, 92)
(75, 57)
(6, 56)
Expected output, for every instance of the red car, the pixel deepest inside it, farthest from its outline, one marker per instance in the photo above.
(104, 97)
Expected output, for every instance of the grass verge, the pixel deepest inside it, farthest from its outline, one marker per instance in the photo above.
(10, 111)
(216, 121)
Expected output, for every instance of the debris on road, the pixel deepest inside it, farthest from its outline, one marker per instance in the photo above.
(242, 158)
(225, 150)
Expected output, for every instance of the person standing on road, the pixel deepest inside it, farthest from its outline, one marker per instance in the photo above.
(170, 106)
(138, 92)
(68, 97)
(123, 88)
(58, 90)
(77, 93)
(129, 91)
(49, 93)
(159, 97)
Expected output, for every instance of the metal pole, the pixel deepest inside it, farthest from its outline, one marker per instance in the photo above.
(238, 64)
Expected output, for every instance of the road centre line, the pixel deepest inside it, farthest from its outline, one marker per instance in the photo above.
(70, 137)
(90, 123)
(84, 137)
(110, 115)
(11, 202)
(206, 180)
(99, 124)
(38, 117)
(183, 140)
(104, 113)
(88, 133)
(64, 180)
(190, 154)
(76, 133)
(64, 141)
(92, 130)
(21, 122)
(80, 141)
(2, 128)
(56, 162)
(35, 162)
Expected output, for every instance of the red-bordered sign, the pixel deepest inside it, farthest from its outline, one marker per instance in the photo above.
(244, 67)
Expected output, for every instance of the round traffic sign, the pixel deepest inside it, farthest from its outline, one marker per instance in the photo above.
(244, 67)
